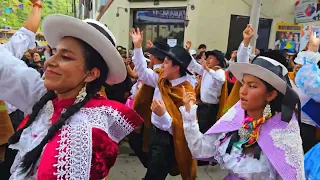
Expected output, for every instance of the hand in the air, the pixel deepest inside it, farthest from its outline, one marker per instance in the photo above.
(188, 45)
(136, 37)
(234, 55)
(248, 33)
(149, 44)
(313, 40)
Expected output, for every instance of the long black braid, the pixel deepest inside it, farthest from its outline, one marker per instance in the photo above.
(92, 60)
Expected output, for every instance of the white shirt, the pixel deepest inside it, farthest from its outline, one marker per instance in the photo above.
(20, 85)
(157, 66)
(10, 108)
(20, 42)
(211, 84)
(206, 146)
(243, 54)
(150, 78)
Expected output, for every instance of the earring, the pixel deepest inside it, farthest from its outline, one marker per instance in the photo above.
(267, 110)
(82, 94)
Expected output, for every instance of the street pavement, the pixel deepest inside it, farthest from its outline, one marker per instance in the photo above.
(129, 168)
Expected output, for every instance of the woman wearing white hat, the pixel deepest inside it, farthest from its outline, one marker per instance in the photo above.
(258, 138)
(71, 131)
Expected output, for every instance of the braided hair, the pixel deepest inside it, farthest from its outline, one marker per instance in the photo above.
(92, 60)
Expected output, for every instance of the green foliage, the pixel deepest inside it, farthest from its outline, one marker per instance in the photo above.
(16, 19)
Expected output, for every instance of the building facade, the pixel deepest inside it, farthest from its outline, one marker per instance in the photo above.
(209, 20)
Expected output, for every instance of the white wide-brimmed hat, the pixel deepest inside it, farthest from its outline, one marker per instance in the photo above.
(275, 74)
(267, 69)
(98, 36)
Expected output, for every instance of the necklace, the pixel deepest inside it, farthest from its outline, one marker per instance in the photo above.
(250, 131)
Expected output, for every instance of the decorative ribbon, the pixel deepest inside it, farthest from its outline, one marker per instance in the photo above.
(253, 127)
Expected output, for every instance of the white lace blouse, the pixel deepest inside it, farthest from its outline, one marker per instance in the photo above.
(206, 146)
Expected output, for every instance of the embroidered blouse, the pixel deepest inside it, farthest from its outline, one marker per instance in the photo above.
(280, 142)
(84, 148)
(205, 146)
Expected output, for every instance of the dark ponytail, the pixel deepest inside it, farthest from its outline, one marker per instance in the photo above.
(92, 60)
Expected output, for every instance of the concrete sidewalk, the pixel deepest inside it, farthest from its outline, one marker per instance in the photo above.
(129, 168)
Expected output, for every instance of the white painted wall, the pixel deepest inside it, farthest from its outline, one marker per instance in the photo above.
(209, 22)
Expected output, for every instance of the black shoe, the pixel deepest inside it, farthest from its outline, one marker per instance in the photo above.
(214, 164)
(203, 163)
(132, 154)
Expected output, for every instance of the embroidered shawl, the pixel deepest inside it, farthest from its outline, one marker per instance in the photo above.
(279, 141)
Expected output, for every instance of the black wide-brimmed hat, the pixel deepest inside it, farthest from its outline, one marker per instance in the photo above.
(219, 55)
(158, 48)
(181, 56)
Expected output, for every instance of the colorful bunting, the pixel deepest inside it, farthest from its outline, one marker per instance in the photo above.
(21, 5)
(9, 10)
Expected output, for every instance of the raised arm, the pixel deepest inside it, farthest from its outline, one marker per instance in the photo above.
(20, 85)
(243, 54)
(146, 75)
(24, 39)
(194, 66)
(308, 77)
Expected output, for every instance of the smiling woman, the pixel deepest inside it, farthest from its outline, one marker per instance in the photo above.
(71, 131)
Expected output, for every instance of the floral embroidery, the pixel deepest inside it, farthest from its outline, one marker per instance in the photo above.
(49, 109)
(290, 142)
(75, 150)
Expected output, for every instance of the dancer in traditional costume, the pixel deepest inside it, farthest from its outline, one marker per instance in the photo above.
(168, 146)
(259, 137)
(140, 141)
(71, 131)
(308, 80)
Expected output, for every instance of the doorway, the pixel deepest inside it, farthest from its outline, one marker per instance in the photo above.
(238, 23)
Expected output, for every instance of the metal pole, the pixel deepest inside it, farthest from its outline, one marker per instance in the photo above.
(254, 20)
(74, 9)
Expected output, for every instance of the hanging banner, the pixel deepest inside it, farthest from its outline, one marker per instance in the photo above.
(161, 16)
(288, 37)
(306, 11)
(305, 37)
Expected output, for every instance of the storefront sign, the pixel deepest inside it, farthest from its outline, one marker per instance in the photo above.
(161, 16)
(306, 11)
(288, 37)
